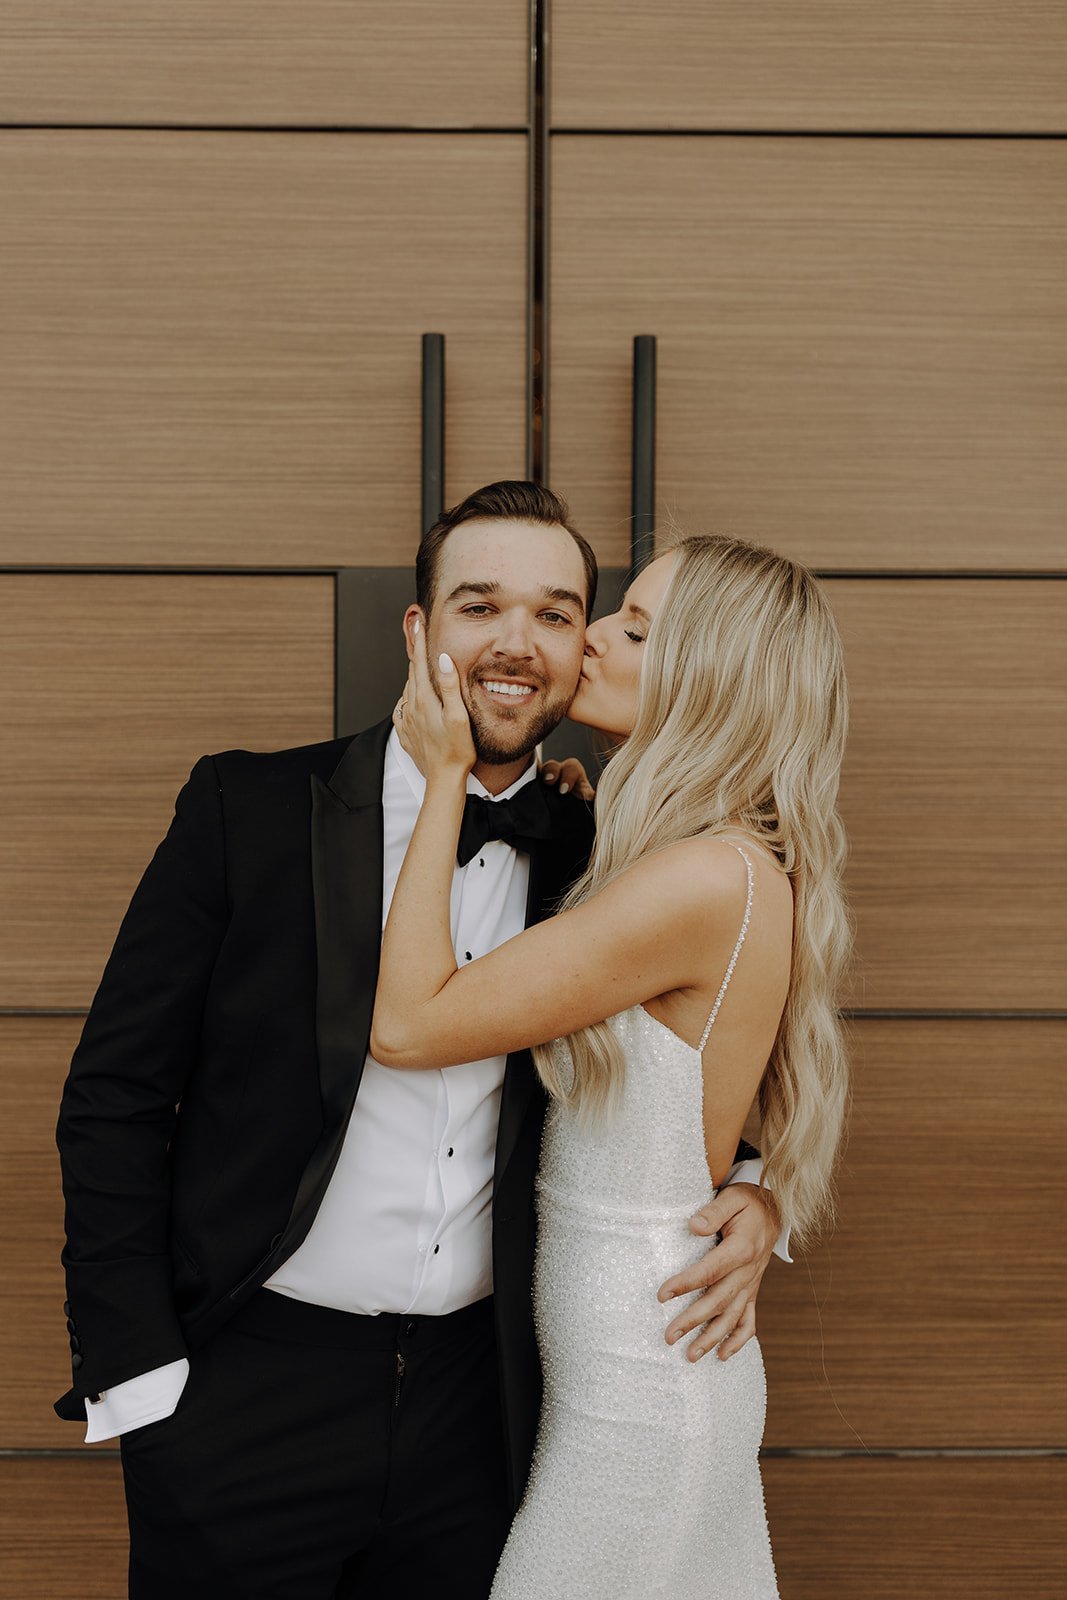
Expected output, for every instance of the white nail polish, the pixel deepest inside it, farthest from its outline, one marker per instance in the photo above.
(415, 629)
(445, 663)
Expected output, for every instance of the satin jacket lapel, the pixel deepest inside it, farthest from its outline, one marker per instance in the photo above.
(346, 870)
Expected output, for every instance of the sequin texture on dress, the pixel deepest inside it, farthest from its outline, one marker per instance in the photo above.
(645, 1480)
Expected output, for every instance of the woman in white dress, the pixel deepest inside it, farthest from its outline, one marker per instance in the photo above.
(691, 970)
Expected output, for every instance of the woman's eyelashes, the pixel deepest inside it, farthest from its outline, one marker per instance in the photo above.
(638, 638)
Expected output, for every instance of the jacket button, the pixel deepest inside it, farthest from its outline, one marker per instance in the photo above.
(276, 1241)
(76, 1360)
(70, 1325)
(75, 1344)
(66, 1308)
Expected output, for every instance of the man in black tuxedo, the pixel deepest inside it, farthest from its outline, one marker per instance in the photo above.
(299, 1284)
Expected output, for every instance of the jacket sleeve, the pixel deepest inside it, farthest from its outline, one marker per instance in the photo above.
(137, 1052)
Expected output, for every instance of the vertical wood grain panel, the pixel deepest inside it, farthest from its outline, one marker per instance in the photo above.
(861, 343)
(933, 1316)
(978, 1530)
(953, 791)
(62, 1530)
(35, 1054)
(110, 688)
(276, 62)
(963, 1530)
(983, 65)
(211, 342)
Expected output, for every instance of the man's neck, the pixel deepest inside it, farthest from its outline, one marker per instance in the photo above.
(496, 779)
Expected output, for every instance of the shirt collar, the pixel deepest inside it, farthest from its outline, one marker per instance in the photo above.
(396, 753)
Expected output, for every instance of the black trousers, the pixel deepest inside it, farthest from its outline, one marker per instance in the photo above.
(316, 1455)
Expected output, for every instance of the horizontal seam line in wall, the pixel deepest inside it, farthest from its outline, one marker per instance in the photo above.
(79, 1453)
(261, 127)
(808, 133)
(911, 1452)
(1005, 1014)
(257, 127)
(124, 569)
(942, 574)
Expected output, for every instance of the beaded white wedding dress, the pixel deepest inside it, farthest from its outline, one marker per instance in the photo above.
(645, 1479)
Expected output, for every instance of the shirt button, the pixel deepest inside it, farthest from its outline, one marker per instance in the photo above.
(450, 1151)
(468, 954)
(481, 863)
(436, 1248)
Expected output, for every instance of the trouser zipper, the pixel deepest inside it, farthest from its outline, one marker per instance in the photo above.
(401, 1367)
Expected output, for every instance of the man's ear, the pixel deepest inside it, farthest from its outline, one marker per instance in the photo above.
(411, 615)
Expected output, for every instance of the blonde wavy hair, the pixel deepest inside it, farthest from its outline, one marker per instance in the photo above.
(741, 722)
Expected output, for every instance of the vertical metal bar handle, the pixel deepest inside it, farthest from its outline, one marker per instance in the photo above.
(433, 429)
(643, 471)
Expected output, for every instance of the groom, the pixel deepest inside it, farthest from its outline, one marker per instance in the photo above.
(299, 1283)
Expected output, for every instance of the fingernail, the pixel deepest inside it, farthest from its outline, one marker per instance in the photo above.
(550, 777)
(701, 1224)
(415, 629)
(446, 663)
(563, 788)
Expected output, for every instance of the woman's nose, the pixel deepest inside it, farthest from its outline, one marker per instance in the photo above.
(594, 639)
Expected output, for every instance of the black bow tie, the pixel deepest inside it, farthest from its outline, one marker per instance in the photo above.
(520, 821)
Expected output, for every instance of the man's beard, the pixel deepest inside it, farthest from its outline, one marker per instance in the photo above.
(499, 742)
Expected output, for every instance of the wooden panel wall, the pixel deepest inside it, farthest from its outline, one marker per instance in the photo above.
(859, 342)
(899, 1527)
(271, 62)
(933, 1316)
(985, 65)
(111, 686)
(213, 340)
(957, 888)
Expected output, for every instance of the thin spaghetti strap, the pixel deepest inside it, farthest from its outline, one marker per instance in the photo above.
(737, 950)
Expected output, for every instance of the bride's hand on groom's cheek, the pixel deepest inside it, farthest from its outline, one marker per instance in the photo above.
(566, 775)
(432, 723)
(727, 1279)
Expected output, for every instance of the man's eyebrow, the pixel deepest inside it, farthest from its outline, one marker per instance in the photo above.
(474, 588)
(561, 596)
(565, 596)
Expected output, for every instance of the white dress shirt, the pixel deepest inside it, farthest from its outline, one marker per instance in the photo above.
(406, 1220)
(406, 1223)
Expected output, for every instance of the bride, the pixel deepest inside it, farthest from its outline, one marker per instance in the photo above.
(692, 969)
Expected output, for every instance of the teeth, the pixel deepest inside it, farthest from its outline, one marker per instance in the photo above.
(513, 689)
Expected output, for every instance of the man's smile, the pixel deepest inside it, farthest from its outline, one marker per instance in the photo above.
(507, 691)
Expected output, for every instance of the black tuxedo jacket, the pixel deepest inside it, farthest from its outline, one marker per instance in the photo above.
(208, 1098)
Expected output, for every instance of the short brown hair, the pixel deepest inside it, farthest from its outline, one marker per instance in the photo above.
(511, 501)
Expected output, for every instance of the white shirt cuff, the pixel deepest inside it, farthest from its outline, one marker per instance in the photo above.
(147, 1398)
(750, 1172)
